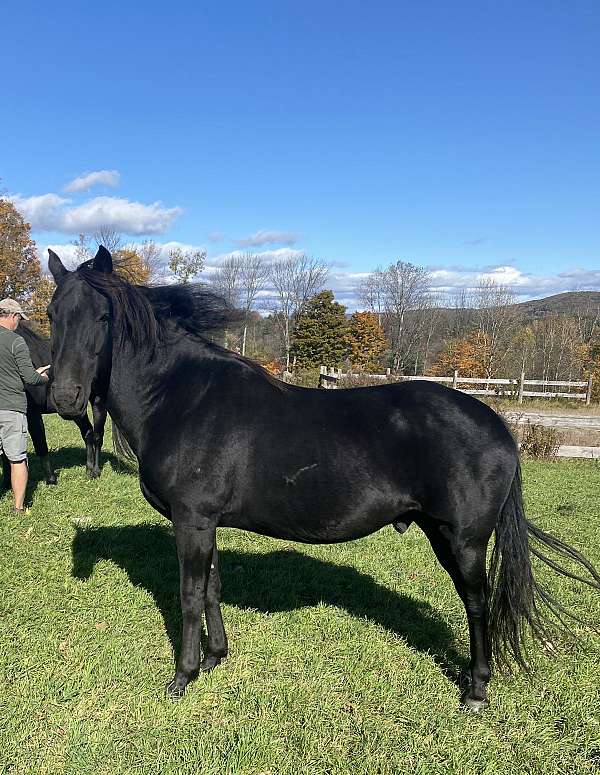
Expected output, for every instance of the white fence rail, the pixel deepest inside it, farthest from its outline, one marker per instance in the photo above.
(489, 387)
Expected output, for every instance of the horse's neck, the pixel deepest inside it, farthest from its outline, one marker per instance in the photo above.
(137, 380)
(39, 349)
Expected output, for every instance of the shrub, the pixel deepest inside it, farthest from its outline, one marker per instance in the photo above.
(305, 378)
(539, 441)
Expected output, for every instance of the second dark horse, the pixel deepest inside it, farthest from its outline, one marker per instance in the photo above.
(39, 402)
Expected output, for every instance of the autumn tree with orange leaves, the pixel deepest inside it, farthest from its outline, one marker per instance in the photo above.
(128, 263)
(468, 356)
(20, 271)
(20, 268)
(367, 341)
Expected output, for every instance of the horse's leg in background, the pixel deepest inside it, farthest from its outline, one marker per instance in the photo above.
(6, 480)
(195, 552)
(99, 420)
(87, 434)
(464, 558)
(216, 648)
(40, 445)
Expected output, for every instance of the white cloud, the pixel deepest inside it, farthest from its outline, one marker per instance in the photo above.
(50, 212)
(66, 253)
(110, 178)
(41, 212)
(445, 281)
(267, 237)
(523, 284)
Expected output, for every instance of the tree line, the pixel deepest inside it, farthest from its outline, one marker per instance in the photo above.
(290, 320)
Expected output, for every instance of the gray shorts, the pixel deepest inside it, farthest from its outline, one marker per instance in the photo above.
(13, 435)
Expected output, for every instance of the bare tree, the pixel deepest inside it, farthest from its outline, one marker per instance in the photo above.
(226, 279)
(496, 316)
(253, 277)
(109, 237)
(461, 317)
(150, 258)
(371, 293)
(429, 322)
(294, 280)
(85, 245)
(406, 290)
(83, 251)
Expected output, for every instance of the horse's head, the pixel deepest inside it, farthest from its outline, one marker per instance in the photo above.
(81, 335)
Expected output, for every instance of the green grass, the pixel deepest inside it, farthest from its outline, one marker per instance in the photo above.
(343, 658)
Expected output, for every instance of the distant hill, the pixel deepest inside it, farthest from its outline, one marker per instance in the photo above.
(571, 303)
(582, 303)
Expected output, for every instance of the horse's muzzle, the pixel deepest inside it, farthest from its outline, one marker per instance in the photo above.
(69, 400)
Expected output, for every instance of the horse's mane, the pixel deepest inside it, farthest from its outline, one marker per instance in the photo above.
(31, 333)
(39, 346)
(143, 315)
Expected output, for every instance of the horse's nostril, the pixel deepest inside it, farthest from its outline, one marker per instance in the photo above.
(67, 395)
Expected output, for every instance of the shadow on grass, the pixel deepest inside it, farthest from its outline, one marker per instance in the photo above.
(278, 581)
(64, 458)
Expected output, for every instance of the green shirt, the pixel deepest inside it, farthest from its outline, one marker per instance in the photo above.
(16, 370)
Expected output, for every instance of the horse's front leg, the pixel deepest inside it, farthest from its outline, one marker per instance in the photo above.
(99, 420)
(194, 550)
(216, 648)
(87, 434)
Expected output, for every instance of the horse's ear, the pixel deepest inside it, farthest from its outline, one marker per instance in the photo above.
(55, 265)
(103, 261)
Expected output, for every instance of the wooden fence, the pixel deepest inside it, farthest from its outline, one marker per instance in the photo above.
(516, 388)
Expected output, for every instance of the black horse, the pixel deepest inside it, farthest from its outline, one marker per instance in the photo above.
(39, 402)
(221, 443)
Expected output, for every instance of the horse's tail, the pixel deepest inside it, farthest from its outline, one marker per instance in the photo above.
(517, 602)
(120, 443)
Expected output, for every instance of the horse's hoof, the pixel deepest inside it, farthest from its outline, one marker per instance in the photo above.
(52, 480)
(475, 705)
(94, 473)
(209, 663)
(174, 691)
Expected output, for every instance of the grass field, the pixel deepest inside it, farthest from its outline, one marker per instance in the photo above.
(344, 659)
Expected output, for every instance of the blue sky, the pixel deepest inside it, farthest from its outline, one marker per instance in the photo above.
(464, 137)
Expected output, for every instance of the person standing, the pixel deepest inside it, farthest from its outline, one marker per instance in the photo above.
(16, 371)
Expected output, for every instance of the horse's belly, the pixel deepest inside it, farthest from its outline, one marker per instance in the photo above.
(306, 527)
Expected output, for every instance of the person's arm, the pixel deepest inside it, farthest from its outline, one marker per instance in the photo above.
(28, 374)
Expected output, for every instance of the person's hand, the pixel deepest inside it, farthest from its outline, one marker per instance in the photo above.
(42, 371)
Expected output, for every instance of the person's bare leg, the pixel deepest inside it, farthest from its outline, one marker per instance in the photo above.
(19, 475)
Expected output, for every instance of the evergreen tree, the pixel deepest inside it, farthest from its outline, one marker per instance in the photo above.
(321, 333)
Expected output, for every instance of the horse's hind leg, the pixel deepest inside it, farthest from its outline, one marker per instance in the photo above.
(465, 560)
(40, 444)
(6, 478)
(216, 648)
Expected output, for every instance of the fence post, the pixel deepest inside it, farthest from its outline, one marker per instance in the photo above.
(521, 386)
(388, 373)
(322, 382)
(455, 379)
(588, 392)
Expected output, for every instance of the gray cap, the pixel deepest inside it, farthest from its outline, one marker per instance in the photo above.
(10, 305)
